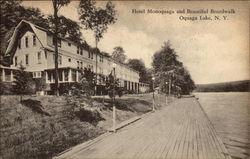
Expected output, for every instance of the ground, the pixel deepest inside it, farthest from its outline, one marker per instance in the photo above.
(43, 126)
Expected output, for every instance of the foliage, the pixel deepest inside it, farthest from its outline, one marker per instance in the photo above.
(35, 105)
(92, 117)
(112, 86)
(86, 85)
(167, 67)
(119, 54)
(67, 28)
(40, 84)
(138, 65)
(23, 82)
(96, 19)
(90, 77)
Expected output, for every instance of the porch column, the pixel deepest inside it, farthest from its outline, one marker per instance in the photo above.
(3, 74)
(70, 75)
(11, 75)
(46, 77)
(63, 76)
(138, 86)
(77, 76)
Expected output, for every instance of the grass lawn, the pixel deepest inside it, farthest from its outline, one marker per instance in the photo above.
(42, 126)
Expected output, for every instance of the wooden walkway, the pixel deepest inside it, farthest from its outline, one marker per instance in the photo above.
(178, 131)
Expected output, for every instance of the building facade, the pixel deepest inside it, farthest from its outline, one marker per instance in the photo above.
(33, 47)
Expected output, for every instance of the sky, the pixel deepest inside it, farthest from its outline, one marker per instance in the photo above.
(212, 50)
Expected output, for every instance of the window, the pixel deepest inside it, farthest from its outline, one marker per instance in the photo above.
(27, 59)
(39, 57)
(37, 74)
(92, 55)
(15, 60)
(59, 60)
(59, 42)
(19, 43)
(81, 65)
(69, 44)
(26, 42)
(77, 51)
(80, 51)
(69, 59)
(78, 63)
(45, 52)
(101, 58)
(34, 40)
(89, 55)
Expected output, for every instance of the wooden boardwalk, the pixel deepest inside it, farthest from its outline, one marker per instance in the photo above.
(178, 131)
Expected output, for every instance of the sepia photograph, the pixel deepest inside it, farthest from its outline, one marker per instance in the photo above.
(124, 79)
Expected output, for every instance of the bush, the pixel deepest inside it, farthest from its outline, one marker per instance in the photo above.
(6, 88)
(24, 83)
(35, 106)
(92, 117)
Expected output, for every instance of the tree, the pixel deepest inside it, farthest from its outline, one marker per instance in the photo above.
(112, 86)
(167, 68)
(138, 65)
(119, 54)
(67, 28)
(96, 19)
(11, 13)
(23, 82)
(57, 4)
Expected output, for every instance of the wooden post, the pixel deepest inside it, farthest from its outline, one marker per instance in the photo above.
(46, 76)
(114, 108)
(153, 96)
(63, 76)
(70, 75)
(77, 76)
(3, 75)
(169, 89)
(11, 75)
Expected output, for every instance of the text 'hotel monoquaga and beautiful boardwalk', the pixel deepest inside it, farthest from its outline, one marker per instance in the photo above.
(180, 130)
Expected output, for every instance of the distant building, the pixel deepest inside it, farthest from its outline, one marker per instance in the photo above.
(33, 47)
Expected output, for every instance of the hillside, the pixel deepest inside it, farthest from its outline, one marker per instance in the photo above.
(43, 126)
(235, 86)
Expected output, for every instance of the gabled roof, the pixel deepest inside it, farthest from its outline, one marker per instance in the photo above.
(20, 29)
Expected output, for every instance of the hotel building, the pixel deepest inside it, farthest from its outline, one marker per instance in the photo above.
(33, 47)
